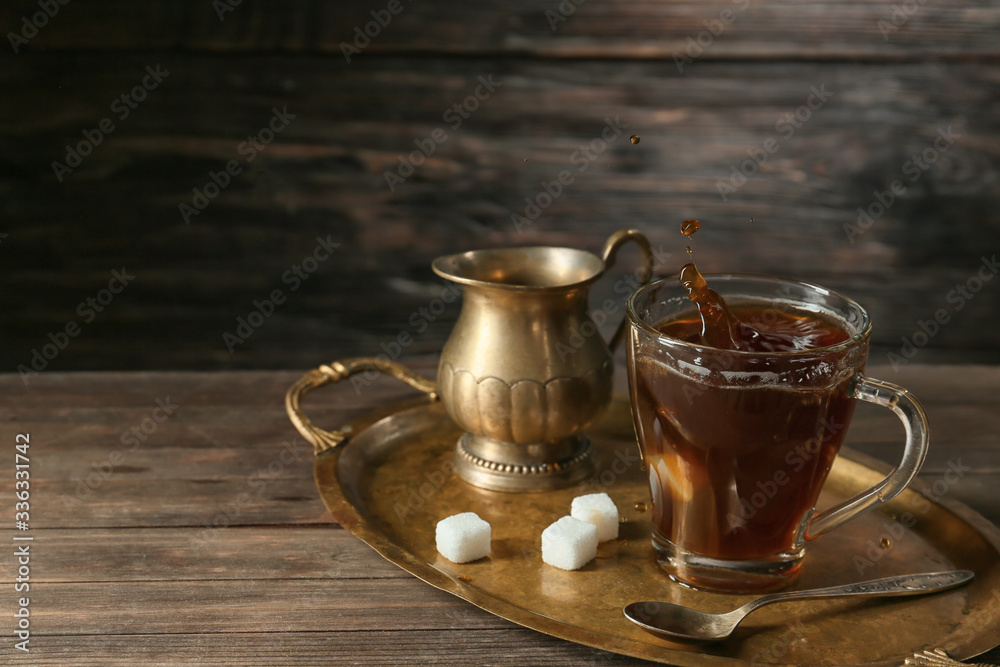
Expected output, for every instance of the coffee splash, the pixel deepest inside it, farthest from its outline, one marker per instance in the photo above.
(747, 328)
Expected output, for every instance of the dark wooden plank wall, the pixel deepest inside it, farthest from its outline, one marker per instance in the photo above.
(891, 85)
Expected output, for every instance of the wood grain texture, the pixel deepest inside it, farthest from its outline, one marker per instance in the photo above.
(515, 647)
(206, 542)
(216, 607)
(539, 28)
(228, 456)
(287, 551)
(324, 177)
(137, 573)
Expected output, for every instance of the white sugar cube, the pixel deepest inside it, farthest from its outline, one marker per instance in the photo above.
(462, 538)
(569, 543)
(600, 510)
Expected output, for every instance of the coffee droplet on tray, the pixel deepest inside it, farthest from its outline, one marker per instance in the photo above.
(634, 138)
(689, 227)
(640, 507)
(885, 543)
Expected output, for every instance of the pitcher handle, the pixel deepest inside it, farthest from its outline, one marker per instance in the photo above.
(323, 440)
(611, 246)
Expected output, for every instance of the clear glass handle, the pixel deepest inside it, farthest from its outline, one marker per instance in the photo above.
(914, 421)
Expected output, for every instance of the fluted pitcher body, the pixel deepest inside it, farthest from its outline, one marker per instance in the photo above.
(525, 370)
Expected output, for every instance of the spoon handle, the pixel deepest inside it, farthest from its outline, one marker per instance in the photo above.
(907, 584)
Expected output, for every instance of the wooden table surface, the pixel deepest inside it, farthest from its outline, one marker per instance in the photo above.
(175, 520)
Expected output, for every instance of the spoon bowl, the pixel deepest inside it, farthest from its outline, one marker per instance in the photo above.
(675, 621)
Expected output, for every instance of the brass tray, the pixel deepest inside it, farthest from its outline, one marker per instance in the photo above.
(391, 480)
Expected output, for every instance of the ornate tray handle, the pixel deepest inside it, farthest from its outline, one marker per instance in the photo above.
(335, 372)
(938, 658)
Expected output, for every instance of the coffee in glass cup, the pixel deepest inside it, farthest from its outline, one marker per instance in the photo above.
(741, 403)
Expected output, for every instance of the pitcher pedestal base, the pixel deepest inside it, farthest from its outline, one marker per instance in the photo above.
(504, 466)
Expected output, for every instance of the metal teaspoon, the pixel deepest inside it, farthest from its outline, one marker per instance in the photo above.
(673, 621)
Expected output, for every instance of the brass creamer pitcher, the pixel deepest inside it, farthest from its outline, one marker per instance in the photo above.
(525, 370)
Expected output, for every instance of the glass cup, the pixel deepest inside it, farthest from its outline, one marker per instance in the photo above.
(738, 445)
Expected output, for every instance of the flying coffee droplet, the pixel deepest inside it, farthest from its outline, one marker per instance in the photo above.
(751, 221)
(689, 227)
(634, 138)
(640, 507)
(690, 251)
(885, 543)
